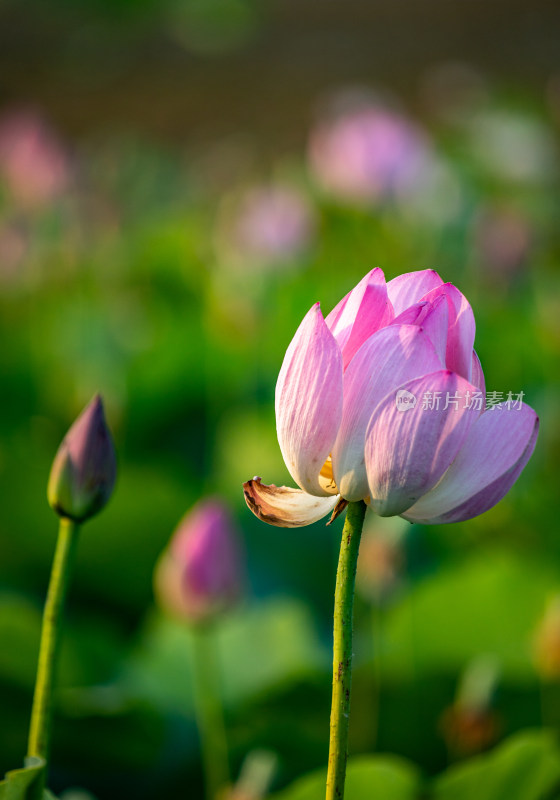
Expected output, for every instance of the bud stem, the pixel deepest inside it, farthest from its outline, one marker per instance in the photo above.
(209, 712)
(342, 648)
(39, 731)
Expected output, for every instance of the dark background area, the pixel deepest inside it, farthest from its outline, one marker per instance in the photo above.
(181, 75)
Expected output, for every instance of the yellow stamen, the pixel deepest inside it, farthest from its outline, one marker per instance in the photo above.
(326, 477)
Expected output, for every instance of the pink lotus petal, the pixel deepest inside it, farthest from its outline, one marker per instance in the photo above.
(361, 313)
(407, 289)
(436, 325)
(433, 317)
(309, 401)
(491, 459)
(477, 375)
(389, 358)
(413, 315)
(408, 451)
(285, 507)
(334, 316)
(460, 338)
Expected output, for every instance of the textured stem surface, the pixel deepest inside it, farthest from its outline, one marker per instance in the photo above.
(40, 728)
(342, 648)
(209, 713)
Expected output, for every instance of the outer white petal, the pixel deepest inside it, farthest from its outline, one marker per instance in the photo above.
(285, 507)
(309, 401)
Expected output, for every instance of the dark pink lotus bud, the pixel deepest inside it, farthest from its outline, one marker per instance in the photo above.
(200, 574)
(84, 469)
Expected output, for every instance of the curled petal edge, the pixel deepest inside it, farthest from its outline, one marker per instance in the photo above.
(502, 471)
(285, 507)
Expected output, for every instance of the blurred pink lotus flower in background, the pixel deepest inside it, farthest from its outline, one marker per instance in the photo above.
(362, 152)
(200, 574)
(383, 401)
(33, 162)
(269, 225)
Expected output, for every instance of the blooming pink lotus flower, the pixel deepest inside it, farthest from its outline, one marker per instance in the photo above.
(384, 401)
(200, 574)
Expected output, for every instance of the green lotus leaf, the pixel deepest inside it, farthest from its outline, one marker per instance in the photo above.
(386, 777)
(525, 767)
(26, 783)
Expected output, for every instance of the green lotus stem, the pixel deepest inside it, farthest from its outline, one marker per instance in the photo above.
(342, 648)
(209, 712)
(40, 728)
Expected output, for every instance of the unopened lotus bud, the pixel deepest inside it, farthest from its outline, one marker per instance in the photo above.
(200, 575)
(84, 469)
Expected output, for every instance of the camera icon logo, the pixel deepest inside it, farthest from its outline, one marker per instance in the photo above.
(405, 400)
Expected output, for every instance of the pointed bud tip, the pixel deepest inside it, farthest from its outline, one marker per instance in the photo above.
(94, 409)
(84, 469)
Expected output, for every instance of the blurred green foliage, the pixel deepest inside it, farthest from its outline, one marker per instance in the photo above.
(527, 765)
